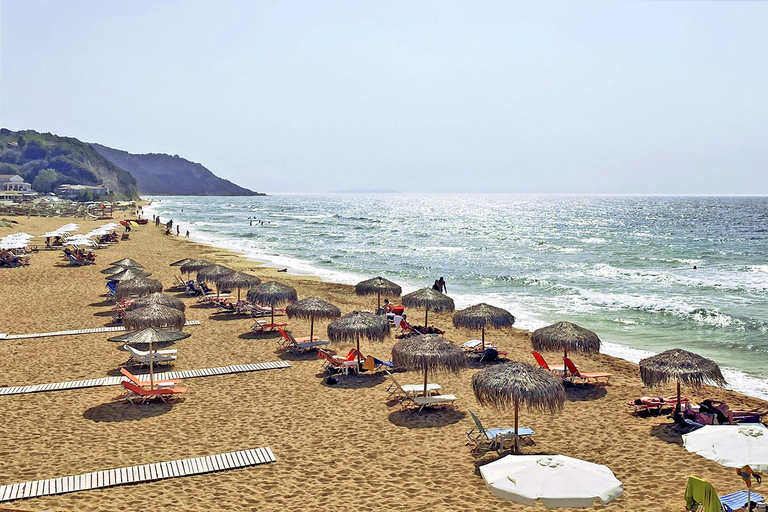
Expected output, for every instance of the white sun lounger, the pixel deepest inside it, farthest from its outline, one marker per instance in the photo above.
(144, 357)
(402, 391)
(428, 401)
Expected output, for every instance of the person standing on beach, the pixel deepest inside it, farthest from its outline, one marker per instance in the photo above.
(177, 230)
(187, 233)
(441, 284)
(436, 286)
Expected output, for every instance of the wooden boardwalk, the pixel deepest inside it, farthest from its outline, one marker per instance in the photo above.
(114, 381)
(94, 330)
(137, 474)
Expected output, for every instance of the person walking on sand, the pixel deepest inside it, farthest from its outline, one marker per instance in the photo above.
(187, 233)
(177, 230)
(441, 284)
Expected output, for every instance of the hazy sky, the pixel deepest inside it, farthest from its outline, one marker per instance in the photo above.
(579, 96)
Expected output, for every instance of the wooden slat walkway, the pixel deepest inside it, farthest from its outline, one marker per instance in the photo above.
(137, 474)
(74, 332)
(115, 381)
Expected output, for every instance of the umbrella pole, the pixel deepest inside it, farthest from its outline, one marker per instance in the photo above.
(483, 338)
(425, 381)
(426, 314)
(358, 352)
(677, 406)
(378, 301)
(151, 367)
(273, 315)
(312, 328)
(517, 409)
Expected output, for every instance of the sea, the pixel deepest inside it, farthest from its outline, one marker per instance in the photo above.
(646, 273)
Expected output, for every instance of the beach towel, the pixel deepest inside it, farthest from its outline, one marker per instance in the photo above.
(700, 492)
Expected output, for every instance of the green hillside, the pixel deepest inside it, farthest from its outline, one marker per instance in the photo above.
(47, 161)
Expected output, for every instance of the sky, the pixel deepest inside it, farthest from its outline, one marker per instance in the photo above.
(630, 97)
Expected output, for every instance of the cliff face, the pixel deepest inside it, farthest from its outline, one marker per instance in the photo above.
(171, 175)
(65, 160)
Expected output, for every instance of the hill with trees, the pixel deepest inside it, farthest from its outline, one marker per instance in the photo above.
(47, 161)
(162, 174)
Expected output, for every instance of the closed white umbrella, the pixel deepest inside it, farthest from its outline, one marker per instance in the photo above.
(743, 446)
(554, 480)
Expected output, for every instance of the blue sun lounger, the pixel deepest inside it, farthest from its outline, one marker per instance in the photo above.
(300, 348)
(738, 499)
(493, 438)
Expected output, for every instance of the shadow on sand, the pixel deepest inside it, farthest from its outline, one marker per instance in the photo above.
(115, 412)
(351, 381)
(583, 393)
(428, 418)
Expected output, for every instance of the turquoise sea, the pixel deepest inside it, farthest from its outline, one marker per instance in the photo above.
(622, 266)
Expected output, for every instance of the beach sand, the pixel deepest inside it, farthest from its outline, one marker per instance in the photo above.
(342, 447)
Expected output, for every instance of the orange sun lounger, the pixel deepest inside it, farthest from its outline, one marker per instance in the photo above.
(141, 394)
(596, 378)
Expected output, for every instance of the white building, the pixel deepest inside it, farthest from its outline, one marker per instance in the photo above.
(14, 183)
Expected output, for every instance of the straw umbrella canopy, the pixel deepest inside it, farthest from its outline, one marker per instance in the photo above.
(211, 273)
(428, 298)
(127, 262)
(151, 336)
(139, 286)
(682, 366)
(482, 315)
(272, 294)
(236, 281)
(312, 307)
(356, 325)
(115, 269)
(180, 262)
(160, 299)
(194, 265)
(566, 336)
(378, 286)
(515, 384)
(154, 316)
(428, 352)
(128, 273)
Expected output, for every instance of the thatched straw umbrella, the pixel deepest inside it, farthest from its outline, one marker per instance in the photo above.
(428, 298)
(378, 286)
(180, 262)
(194, 265)
(565, 336)
(272, 294)
(127, 262)
(312, 307)
(237, 281)
(211, 273)
(128, 273)
(481, 315)
(114, 269)
(680, 365)
(154, 316)
(138, 286)
(150, 336)
(356, 325)
(428, 352)
(160, 299)
(516, 383)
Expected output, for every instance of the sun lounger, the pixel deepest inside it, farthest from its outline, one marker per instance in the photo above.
(160, 383)
(336, 364)
(260, 326)
(484, 440)
(475, 348)
(559, 370)
(738, 499)
(577, 377)
(76, 262)
(141, 394)
(307, 346)
(412, 403)
(655, 404)
(402, 391)
(157, 356)
(287, 337)
(372, 364)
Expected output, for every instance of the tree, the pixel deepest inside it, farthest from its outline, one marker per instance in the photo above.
(45, 180)
(34, 150)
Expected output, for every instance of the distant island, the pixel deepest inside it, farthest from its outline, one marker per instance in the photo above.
(162, 174)
(367, 191)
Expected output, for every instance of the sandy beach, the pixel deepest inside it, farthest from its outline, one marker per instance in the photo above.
(338, 447)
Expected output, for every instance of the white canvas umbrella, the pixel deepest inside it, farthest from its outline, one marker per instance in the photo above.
(743, 446)
(554, 480)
